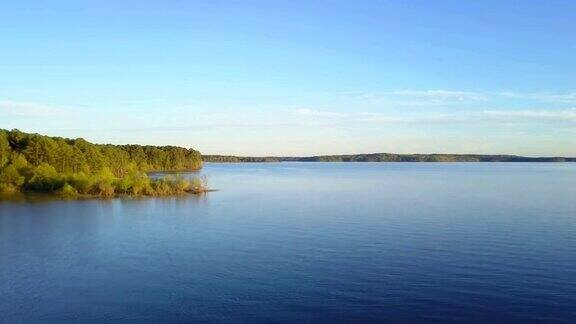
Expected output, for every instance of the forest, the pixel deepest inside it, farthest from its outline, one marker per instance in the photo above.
(75, 167)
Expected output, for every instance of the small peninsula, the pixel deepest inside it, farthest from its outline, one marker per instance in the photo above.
(75, 168)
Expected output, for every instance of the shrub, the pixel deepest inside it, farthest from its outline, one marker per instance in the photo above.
(141, 185)
(123, 185)
(81, 182)
(45, 178)
(181, 184)
(104, 189)
(161, 187)
(68, 191)
(19, 162)
(199, 185)
(11, 177)
(7, 188)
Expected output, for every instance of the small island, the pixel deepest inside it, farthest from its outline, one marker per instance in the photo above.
(75, 168)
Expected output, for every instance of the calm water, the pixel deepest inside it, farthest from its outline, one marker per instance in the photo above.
(305, 242)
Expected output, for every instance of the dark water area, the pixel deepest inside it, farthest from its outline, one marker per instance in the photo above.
(304, 242)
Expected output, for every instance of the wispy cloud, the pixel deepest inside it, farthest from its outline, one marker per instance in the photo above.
(28, 109)
(319, 113)
(436, 97)
(563, 115)
(440, 97)
(421, 118)
(568, 98)
(192, 127)
(532, 116)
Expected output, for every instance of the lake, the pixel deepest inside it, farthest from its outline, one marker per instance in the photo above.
(305, 242)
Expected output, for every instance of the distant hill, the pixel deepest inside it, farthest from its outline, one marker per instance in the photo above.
(389, 157)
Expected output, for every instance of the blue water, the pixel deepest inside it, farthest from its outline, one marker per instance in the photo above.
(304, 242)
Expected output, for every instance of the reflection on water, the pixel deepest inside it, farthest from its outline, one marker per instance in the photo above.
(303, 241)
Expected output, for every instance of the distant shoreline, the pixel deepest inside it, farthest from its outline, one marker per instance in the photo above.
(386, 157)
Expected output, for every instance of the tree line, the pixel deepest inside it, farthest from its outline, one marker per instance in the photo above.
(33, 162)
(389, 157)
(237, 159)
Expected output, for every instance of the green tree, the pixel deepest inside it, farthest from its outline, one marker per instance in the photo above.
(5, 151)
(10, 179)
(56, 164)
(45, 178)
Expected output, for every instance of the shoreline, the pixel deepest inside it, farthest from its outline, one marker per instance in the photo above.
(570, 160)
(387, 157)
(38, 195)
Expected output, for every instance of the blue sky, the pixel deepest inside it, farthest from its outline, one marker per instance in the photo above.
(295, 77)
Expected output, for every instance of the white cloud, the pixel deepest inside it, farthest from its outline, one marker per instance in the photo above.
(569, 97)
(423, 97)
(384, 118)
(439, 97)
(563, 115)
(487, 116)
(318, 113)
(422, 118)
(28, 109)
(470, 116)
(442, 95)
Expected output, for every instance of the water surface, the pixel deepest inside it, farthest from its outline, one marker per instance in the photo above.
(356, 242)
